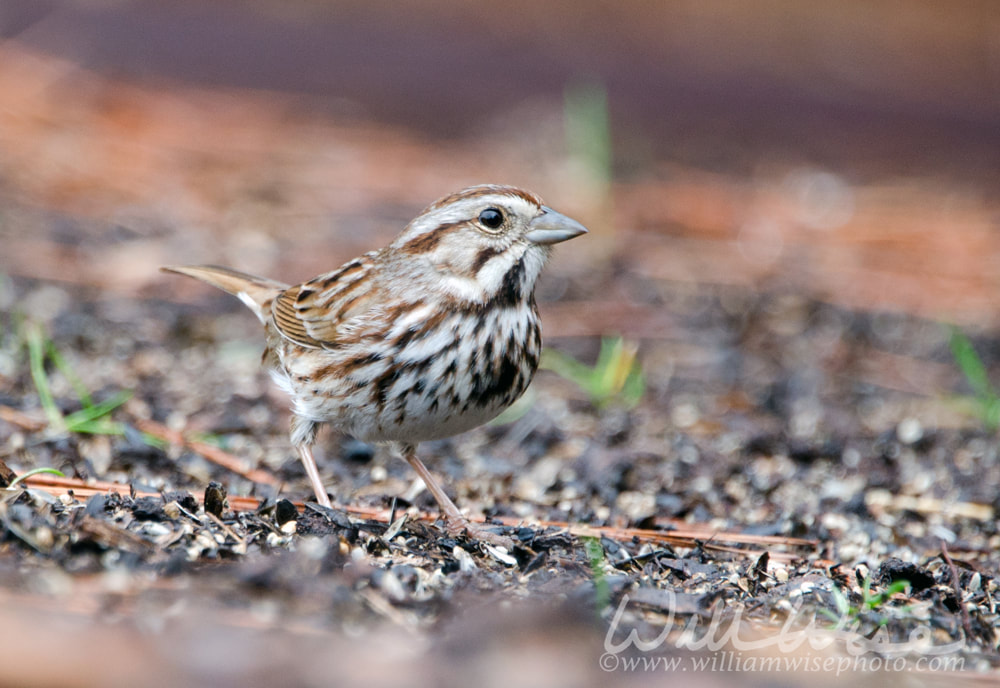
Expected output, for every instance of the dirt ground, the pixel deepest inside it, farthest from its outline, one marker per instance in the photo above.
(806, 489)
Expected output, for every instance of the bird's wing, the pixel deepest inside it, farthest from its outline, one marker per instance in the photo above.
(323, 312)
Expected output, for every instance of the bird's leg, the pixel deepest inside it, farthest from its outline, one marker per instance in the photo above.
(455, 522)
(303, 437)
(306, 454)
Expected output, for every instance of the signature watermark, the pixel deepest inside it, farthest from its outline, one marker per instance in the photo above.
(723, 644)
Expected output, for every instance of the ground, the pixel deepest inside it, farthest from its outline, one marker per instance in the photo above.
(807, 479)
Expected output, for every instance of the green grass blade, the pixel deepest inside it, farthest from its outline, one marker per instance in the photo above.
(617, 374)
(101, 426)
(153, 441)
(35, 471)
(635, 387)
(595, 557)
(991, 413)
(607, 368)
(60, 362)
(970, 364)
(92, 413)
(840, 601)
(36, 364)
(987, 401)
(568, 367)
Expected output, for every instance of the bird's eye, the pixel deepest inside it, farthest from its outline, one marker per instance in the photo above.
(491, 218)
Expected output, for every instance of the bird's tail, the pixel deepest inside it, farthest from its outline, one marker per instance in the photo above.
(256, 292)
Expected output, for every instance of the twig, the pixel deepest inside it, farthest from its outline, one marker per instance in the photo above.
(966, 623)
(684, 536)
(229, 531)
(111, 535)
(880, 500)
(212, 453)
(21, 419)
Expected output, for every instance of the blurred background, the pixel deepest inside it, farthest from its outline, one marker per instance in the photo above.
(848, 151)
(737, 164)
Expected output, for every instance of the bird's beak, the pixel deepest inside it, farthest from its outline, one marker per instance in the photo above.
(551, 227)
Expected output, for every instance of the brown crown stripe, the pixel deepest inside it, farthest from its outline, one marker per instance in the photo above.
(477, 191)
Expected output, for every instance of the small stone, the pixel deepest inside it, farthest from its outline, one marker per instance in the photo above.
(464, 559)
(284, 512)
(909, 431)
(206, 542)
(636, 505)
(215, 499)
(500, 554)
(44, 538)
(685, 415)
(155, 529)
(391, 585)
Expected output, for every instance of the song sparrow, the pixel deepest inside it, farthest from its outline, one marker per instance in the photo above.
(431, 336)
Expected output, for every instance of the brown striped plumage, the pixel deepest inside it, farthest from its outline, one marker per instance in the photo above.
(433, 335)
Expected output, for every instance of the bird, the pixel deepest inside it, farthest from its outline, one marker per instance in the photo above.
(433, 335)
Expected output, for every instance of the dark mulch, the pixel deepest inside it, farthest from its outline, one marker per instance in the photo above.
(756, 432)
